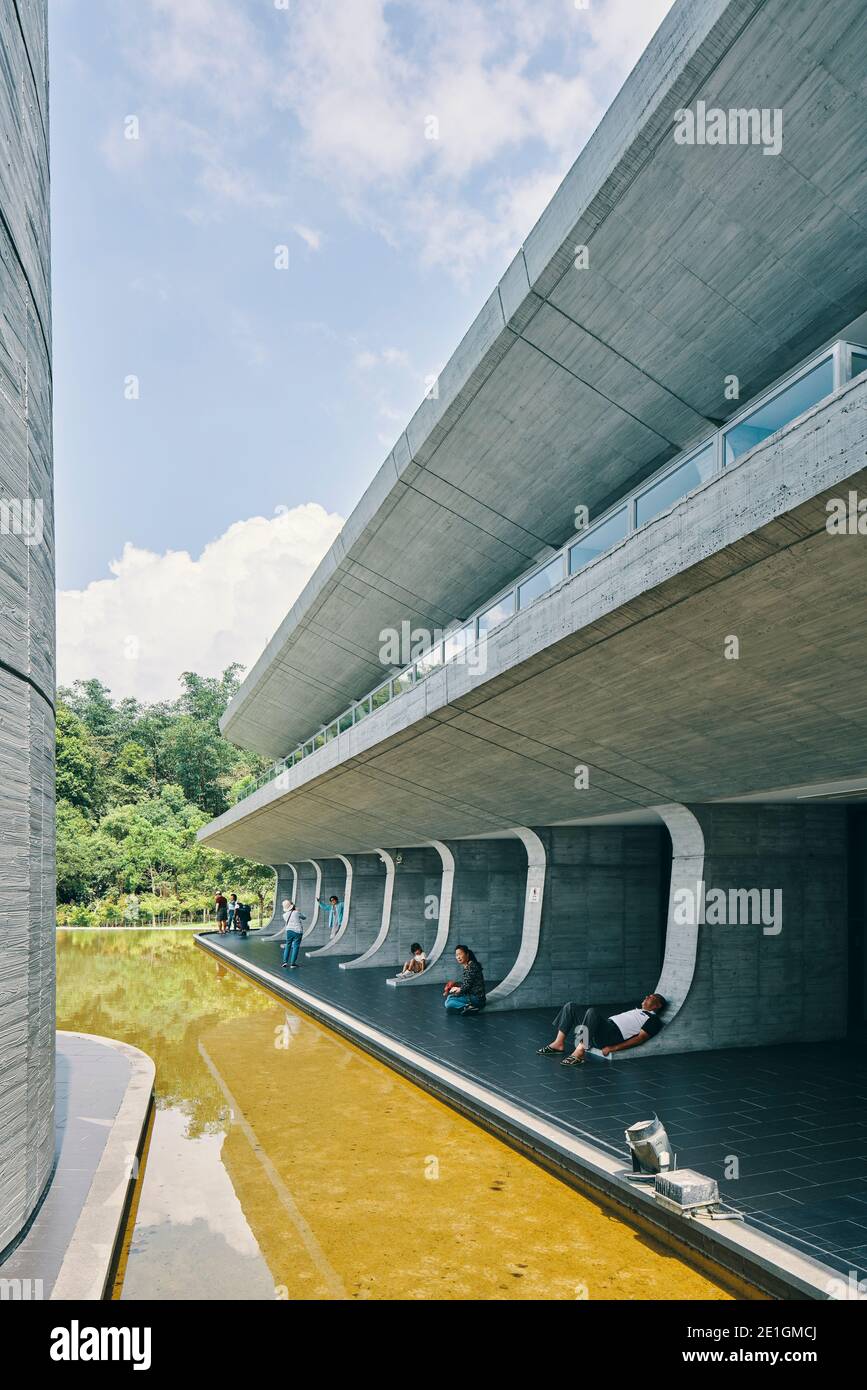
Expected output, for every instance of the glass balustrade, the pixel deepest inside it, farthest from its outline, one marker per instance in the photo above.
(779, 410)
(676, 484)
(790, 399)
(540, 582)
(598, 539)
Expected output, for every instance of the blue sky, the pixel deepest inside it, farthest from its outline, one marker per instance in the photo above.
(189, 518)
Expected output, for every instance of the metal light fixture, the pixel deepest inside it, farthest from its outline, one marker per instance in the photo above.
(650, 1148)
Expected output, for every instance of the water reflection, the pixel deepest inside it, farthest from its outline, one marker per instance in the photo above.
(286, 1163)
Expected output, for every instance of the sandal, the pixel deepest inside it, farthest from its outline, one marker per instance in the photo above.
(548, 1052)
(572, 1062)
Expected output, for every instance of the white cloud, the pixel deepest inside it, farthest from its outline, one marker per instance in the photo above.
(161, 614)
(499, 77)
(308, 235)
(512, 87)
(389, 357)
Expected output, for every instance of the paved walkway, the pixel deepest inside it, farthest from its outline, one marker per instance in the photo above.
(795, 1121)
(92, 1080)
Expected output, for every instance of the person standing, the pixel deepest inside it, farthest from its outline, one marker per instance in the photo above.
(293, 920)
(231, 910)
(222, 913)
(334, 908)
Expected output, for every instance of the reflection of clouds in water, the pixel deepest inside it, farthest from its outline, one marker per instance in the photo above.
(191, 1235)
(197, 1263)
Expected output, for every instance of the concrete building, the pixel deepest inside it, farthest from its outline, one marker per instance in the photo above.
(27, 1037)
(582, 681)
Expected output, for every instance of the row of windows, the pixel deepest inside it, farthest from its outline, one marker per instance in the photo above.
(787, 401)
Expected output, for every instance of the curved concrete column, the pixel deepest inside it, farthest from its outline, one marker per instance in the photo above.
(308, 884)
(324, 941)
(531, 925)
(733, 976)
(681, 941)
(285, 875)
(444, 914)
(318, 933)
(376, 946)
(484, 889)
(593, 932)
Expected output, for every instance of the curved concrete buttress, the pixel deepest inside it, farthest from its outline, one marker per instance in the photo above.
(484, 888)
(444, 914)
(681, 942)
(284, 875)
(367, 959)
(532, 920)
(317, 890)
(328, 943)
(733, 976)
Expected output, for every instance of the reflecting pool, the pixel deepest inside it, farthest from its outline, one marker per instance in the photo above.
(286, 1163)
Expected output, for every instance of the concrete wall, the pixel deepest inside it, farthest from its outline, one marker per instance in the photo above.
(410, 909)
(363, 907)
(26, 626)
(602, 919)
(418, 882)
(486, 908)
(743, 985)
(285, 886)
(307, 892)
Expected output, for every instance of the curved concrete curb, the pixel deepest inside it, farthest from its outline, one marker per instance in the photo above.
(89, 1260)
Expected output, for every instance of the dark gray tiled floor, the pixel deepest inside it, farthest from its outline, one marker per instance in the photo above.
(794, 1119)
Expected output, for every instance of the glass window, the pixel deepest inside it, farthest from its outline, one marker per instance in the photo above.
(456, 643)
(361, 710)
(381, 696)
(345, 721)
(403, 682)
(319, 739)
(497, 613)
(540, 582)
(307, 748)
(430, 661)
(859, 362)
(332, 731)
(786, 406)
(674, 485)
(598, 539)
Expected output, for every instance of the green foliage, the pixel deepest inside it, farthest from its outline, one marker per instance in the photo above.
(134, 783)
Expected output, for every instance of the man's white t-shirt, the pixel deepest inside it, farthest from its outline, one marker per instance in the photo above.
(631, 1022)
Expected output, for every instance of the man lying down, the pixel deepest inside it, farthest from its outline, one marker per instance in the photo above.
(607, 1032)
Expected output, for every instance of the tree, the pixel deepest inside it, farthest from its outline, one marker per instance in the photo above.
(80, 778)
(133, 774)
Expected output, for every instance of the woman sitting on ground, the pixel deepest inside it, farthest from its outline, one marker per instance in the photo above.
(469, 996)
(416, 963)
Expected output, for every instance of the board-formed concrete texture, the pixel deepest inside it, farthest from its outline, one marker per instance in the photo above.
(696, 690)
(26, 624)
(571, 385)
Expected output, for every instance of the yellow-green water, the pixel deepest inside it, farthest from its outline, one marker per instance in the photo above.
(285, 1162)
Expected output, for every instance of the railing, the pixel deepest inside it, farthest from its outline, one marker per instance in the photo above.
(786, 401)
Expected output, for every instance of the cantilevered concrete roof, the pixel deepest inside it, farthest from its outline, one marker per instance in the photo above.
(573, 384)
(622, 669)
